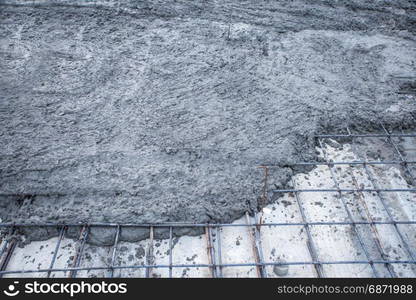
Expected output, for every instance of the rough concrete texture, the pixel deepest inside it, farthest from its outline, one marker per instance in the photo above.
(164, 111)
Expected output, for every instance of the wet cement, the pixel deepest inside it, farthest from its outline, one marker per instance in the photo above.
(163, 113)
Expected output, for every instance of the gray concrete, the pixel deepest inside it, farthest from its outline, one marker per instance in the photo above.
(164, 111)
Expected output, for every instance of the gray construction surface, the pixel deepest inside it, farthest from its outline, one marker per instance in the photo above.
(164, 111)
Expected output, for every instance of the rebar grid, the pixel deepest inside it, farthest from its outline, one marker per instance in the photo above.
(254, 224)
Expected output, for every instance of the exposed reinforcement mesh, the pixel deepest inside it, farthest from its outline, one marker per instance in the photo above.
(366, 230)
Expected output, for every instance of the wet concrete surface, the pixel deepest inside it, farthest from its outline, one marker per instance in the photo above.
(164, 111)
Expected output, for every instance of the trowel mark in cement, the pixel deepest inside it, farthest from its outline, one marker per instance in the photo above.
(280, 244)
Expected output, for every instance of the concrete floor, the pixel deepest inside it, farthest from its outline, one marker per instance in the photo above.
(228, 69)
(163, 113)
